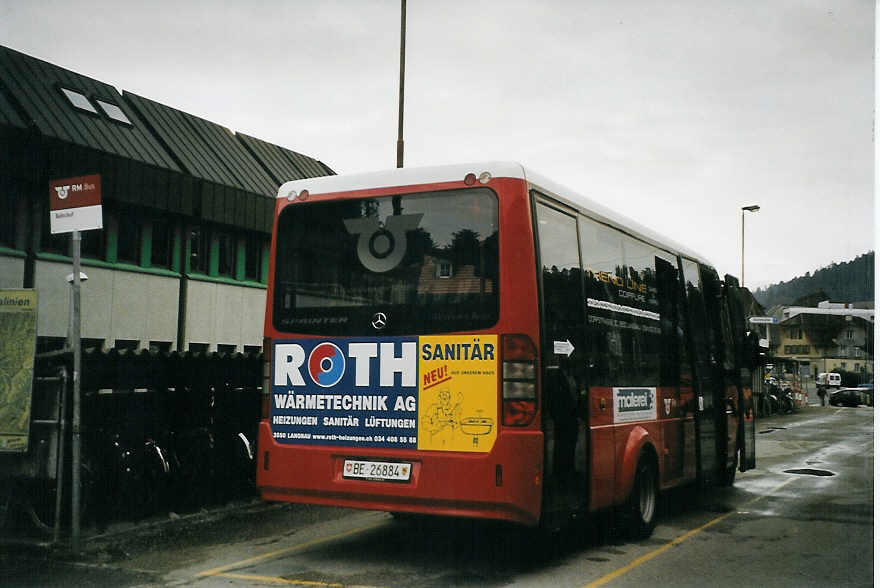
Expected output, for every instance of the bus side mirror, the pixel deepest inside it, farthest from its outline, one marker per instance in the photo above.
(752, 350)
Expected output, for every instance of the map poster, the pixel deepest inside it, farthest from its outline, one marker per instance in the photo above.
(18, 341)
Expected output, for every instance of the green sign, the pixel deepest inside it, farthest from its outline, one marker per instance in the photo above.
(18, 342)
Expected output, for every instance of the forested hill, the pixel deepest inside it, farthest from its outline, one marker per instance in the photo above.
(850, 281)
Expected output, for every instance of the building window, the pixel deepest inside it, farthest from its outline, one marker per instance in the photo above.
(92, 345)
(796, 349)
(45, 344)
(225, 254)
(444, 269)
(160, 247)
(198, 347)
(79, 101)
(199, 250)
(795, 333)
(253, 349)
(7, 221)
(126, 344)
(850, 334)
(92, 244)
(160, 346)
(128, 238)
(253, 257)
(226, 349)
(113, 112)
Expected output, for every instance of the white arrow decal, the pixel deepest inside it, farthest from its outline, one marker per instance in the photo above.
(563, 348)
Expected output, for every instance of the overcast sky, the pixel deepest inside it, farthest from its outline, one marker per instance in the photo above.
(676, 114)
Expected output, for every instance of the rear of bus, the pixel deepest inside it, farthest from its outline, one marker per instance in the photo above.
(401, 332)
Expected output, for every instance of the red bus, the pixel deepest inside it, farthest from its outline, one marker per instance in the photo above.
(477, 341)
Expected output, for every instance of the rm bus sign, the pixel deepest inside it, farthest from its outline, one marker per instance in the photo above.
(75, 204)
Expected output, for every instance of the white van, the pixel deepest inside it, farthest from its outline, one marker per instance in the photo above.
(828, 380)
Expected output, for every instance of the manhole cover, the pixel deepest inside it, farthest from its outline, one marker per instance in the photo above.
(810, 472)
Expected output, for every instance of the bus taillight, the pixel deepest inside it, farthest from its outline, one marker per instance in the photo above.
(519, 381)
(266, 402)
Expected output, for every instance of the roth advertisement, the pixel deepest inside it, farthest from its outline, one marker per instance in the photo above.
(431, 393)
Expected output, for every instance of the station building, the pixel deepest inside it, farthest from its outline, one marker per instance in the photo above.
(182, 261)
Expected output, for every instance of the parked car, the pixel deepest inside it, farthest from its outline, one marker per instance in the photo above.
(867, 393)
(847, 397)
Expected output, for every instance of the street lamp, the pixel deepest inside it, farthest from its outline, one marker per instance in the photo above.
(752, 208)
(400, 87)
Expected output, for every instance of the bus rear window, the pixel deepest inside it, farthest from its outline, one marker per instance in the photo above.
(418, 263)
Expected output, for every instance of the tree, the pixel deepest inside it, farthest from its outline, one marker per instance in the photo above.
(812, 300)
(843, 282)
(464, 249)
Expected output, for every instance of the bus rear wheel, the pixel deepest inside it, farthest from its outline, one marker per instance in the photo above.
(640, 509)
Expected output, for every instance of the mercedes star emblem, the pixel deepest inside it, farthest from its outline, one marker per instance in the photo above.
(379, 321)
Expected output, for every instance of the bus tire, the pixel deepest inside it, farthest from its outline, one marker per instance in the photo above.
(640, 509)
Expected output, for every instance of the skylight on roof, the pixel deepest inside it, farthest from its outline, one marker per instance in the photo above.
(113, 111)
(79, 101)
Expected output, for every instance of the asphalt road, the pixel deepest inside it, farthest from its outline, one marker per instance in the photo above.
(772, 527)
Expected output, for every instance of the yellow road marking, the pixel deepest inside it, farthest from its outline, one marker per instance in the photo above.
(651, 555)
(293, 549)
(277, 580)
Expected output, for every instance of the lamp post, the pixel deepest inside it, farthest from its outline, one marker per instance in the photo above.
(400, 87)
(752, 208)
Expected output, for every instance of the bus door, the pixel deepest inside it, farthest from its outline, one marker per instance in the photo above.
(702, 346)
(563, 358)
(725, 375)
(670, 375)
(744, 366)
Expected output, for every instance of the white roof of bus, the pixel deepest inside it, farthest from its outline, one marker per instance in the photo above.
(409, 176)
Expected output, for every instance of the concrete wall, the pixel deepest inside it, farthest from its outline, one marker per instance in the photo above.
(115, 304)
(224, 314)
(11, 271)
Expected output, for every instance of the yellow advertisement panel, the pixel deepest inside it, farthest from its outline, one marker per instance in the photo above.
(458, 393)
(18, 340)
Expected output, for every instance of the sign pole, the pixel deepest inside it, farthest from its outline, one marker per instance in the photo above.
(74, 206)
(77, 359)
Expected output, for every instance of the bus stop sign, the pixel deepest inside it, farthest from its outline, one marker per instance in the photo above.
(75, 204)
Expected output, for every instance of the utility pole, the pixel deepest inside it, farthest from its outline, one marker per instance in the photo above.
(400, 93)
(752, 208)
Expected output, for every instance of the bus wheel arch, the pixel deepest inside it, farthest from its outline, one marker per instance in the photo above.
(638, 486)
(638, 444)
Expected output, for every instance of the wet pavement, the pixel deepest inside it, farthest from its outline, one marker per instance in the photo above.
(787, 523)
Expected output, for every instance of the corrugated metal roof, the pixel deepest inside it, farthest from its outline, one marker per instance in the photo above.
(205, 149)
(310, 166)
(36, 87)
(8, 115)
(283, 164)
